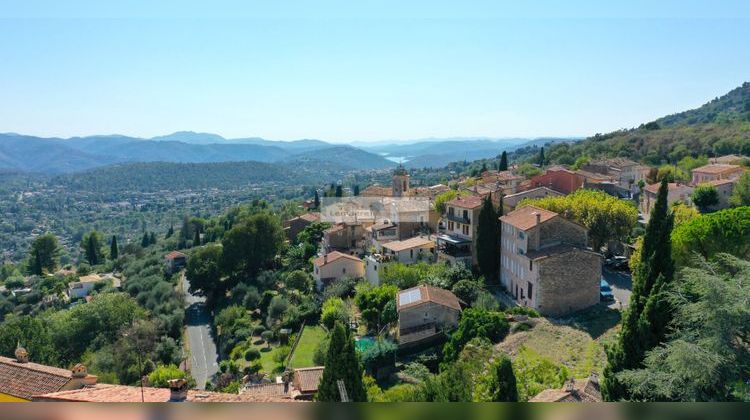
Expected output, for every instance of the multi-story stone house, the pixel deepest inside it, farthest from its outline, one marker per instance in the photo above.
(458, 242)
(676, 192)
(545, 264)
(624, 172)
(716, 172)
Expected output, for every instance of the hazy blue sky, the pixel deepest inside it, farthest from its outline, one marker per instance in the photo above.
(359, 70)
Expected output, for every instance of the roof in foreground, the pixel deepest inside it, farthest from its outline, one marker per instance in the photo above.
(308, 379)
(126, 393)
(525, 217)
(422, 294)
(23, 380)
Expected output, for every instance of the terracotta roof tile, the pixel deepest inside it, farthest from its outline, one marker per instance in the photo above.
(415, 242)
(333, 256)
(306, 380)
(174, 254)
(23, 380)
(125, 393)
(525, 217)
(429, 294)
(717, 168)
(466, 202)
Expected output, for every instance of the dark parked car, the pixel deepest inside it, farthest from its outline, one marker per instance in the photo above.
(605, 292)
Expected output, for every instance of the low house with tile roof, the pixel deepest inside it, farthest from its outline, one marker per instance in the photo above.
(545, 264)
(21, 379)
(574, 390)
(334, 266)
(715, 172)
(345, 237)
(411, 251)
(85, 284)
(305, 381)
(294, 226)
(677, 192)
(425, 312)
(175, 261)
(458, 242)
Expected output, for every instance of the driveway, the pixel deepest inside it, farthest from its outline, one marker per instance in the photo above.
(622, 286)
(203, 356)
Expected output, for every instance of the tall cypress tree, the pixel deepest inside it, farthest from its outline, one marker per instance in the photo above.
(339, 191)
(503, 162)
(197, 238)
(317, 200)
(113, 251)
(503, 381)
(645, 322)
(488, 241)
(145, 240)
(342, 363)
(541, 157)
(170, 232)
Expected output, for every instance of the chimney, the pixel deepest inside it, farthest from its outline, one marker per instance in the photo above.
(81, 376)
(22, 356)
(570, 385)
(178, 390)
(538, 217)
(325, 259)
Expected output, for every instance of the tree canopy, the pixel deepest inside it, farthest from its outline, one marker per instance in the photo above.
(606, 217)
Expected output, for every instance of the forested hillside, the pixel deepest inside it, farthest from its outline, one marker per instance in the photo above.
(719, 127)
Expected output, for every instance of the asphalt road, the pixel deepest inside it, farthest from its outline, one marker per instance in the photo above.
(622, 285)
(203, 356)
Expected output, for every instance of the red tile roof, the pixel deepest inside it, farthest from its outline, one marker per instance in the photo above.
(416, 242)
(125, 393)
(333, 256)
(429, 294)
(717, 168)
(306, 380)
(525, 217)
(23, 380)
(175, 254)
(467, 202)
(310, 217)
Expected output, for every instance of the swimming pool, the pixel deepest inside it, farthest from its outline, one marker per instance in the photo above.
(364, 343)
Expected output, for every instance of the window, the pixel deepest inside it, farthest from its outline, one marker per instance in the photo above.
(530, 288)
(343, 270)
(521, 251)
(450, 225)
(521, 234)
(466, 214)
(411, 253)
(450, 211)
(530, 265)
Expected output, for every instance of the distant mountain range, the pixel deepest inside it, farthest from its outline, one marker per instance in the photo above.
(22, 153)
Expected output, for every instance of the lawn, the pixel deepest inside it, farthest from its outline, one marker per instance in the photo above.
(578, 344)
(303, 355)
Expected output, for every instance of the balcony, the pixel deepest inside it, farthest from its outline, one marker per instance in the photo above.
(458, 219)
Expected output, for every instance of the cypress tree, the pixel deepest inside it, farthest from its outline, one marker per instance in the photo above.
(541, 157)
(503, 382)
(488, 241)
(503, 162)
(170, 232)
(197, 238)
(145, 240)
(342, 363)
(339, 191)
(356, 190)
(317, 200)
(484, 167)
(113, 251)
(152, 238)
(645, 322)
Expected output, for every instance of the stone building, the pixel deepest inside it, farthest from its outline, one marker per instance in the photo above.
(425, 312)
(545, 264)
(715, 172)
(335, 266)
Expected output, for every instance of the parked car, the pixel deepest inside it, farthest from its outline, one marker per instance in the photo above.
(617, 263)
(605, 292)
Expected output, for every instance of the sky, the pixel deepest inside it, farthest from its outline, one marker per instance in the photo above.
(348, 71)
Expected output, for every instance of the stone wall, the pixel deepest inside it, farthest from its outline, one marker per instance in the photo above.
(568, 282)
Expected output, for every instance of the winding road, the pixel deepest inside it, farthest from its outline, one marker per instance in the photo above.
(203, 356)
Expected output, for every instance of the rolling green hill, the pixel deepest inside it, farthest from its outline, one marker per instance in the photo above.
(721, 126)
